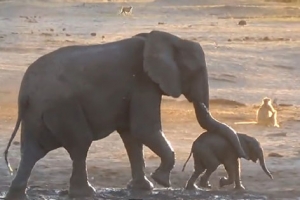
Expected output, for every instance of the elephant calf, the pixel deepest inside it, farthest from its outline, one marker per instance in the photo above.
(210, 150)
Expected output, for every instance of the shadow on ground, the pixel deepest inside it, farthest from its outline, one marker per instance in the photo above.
(166, 194)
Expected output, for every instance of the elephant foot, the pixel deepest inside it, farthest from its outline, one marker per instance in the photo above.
(191, 187)
(204, 184)
(161, 177)
(223, 181)
(239, 188)
(81, 190)
(16, 194)
(140, 184)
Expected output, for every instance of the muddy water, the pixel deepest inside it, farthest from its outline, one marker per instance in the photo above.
(166, 194)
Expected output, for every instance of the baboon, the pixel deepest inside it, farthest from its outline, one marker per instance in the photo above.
(266, 114)
(126, 9)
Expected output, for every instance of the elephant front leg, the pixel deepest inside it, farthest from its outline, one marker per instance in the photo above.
(134, 150)
(233, 170)
(163, 149)
(145, 126)
(238, 181)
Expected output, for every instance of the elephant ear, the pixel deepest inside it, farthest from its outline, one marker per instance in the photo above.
(253, 147)
(244, 140)
(159, 62)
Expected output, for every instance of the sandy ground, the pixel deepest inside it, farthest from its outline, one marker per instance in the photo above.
(245, 63)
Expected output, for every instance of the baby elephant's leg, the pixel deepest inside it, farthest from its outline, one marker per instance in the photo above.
(204, 179)
(237, 180)
(233, 170)
(198, 169)
(211, 164)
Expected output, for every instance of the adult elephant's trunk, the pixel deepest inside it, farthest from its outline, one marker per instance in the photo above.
(263, 164)
(205, 88)
(202, 97)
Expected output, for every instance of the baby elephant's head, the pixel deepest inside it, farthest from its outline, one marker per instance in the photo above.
(255, 152)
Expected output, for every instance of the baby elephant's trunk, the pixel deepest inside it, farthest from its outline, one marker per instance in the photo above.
(263, 165)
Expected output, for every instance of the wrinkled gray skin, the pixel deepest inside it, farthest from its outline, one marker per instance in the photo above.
(78, 94)
(210, 150)
(212, 125)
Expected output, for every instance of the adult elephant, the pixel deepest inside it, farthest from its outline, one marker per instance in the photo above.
(78, 94)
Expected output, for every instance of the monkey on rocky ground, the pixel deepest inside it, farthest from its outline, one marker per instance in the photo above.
(126, 9)
(266, 114)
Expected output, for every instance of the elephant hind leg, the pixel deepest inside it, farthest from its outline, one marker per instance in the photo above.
(211, 163)
(67, 121)
(31, 152)
(198, 169)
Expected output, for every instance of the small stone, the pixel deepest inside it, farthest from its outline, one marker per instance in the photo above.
(242, 23)
(285, 105)
(93, 34)
(63, 29)
(277, 135)
(68, 34)
(275, 155)
(16, 143)
(51, 29)
(266, 38)
(161, 23)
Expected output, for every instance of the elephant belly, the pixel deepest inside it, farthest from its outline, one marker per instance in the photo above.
(106, 113)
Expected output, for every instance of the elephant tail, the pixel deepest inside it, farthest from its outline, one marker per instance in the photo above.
(22, 105)
(187, 160)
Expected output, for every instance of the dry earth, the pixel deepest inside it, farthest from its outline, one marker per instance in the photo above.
(245, 64)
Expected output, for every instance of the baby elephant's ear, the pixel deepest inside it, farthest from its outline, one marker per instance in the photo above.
(254, 148)
(160, 64)
(245, 142)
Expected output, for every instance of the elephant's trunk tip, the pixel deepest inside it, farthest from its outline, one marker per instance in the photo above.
(263, 166)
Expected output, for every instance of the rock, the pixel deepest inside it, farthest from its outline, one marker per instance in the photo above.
(46, 34)
(67, 34)
(161, 23)
(275, 155)
(242, 23)
(285, 105)
(51, 29)
(63, 29)
(277, 135)
(16, 143)
(93, 34)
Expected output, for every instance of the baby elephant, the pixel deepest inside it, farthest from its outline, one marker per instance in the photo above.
(210, 150)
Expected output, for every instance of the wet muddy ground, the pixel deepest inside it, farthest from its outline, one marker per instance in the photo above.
(165, 194)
